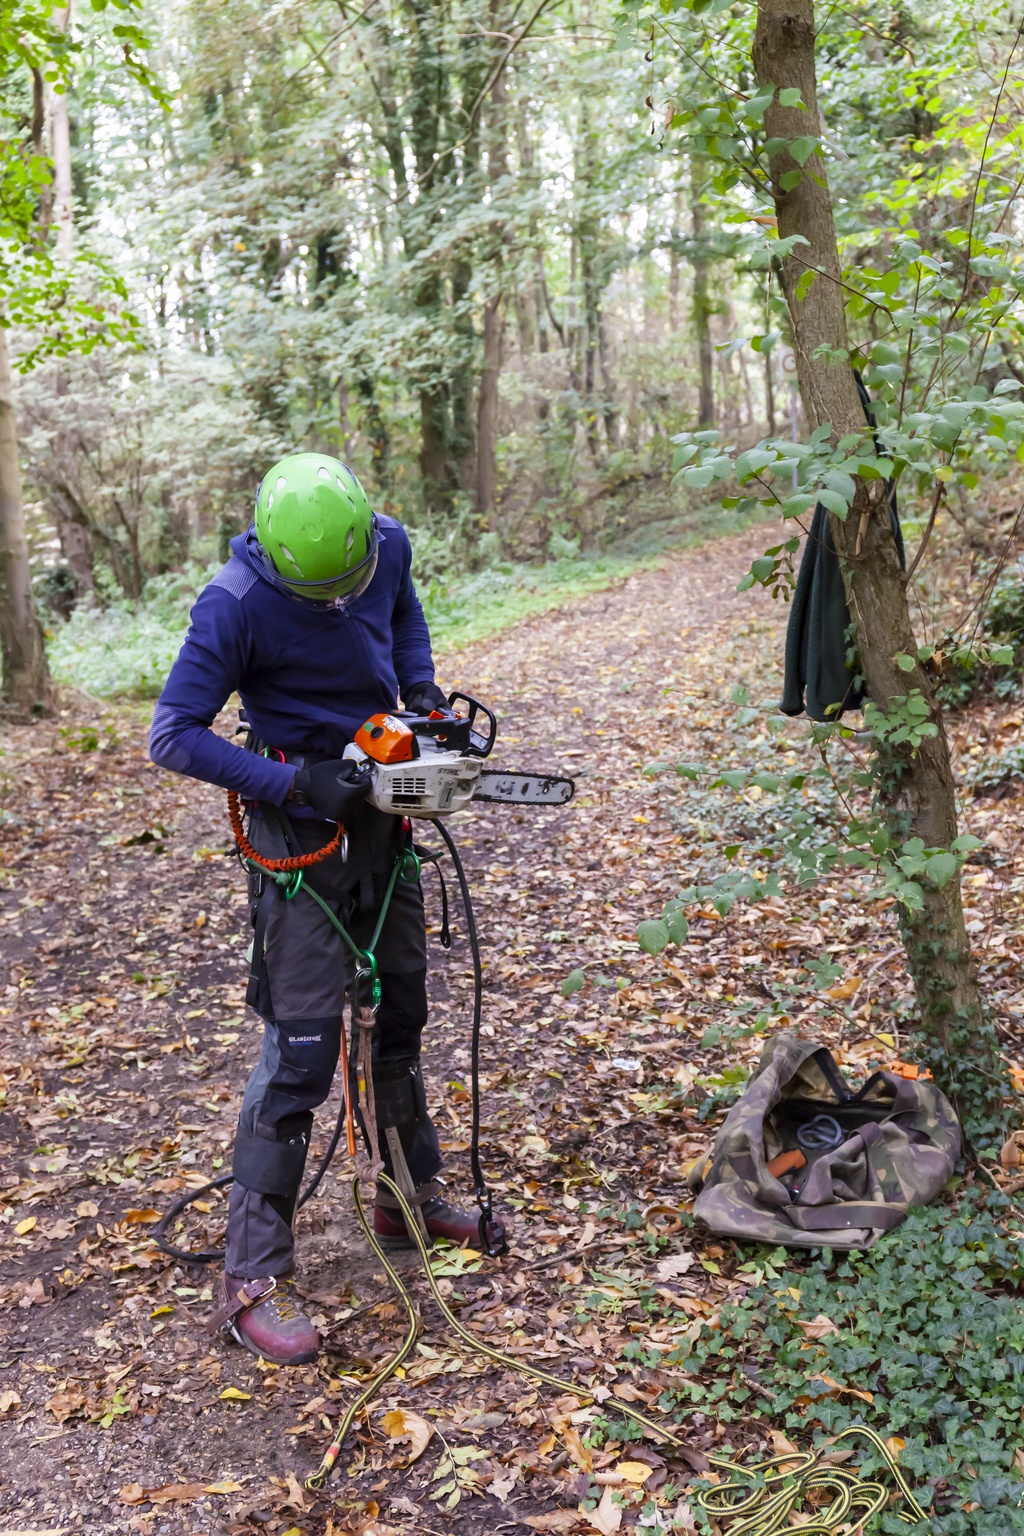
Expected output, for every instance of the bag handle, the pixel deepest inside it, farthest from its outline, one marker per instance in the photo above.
(846, 1213)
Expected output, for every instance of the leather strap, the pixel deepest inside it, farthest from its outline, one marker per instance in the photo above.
(242, 1301)
(423, 1194)
(846, 1213)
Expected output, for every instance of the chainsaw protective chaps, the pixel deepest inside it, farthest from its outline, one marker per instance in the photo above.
(848, 1166)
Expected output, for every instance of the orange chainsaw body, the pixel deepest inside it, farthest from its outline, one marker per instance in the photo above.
(385, 739)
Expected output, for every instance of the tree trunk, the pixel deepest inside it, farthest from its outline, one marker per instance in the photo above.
(63, 203)
(701, 301)
(487, 401)
(26, 678)
(675, 240)
(915, 789)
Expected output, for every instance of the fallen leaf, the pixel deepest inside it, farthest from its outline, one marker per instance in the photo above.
(135, 1218)
(400, 1424)
(564, 1520)
(87, 1208)
(845, 988)
(634, 1472)
(607, 1517)
(818, 1328)
(1011, 1155)
(233, 1395)
(25, 1226)
(672, 1268)
(781, 1446)
(894, 1445)
(8, 1400)
(225, 1487)
(500, 1487)
(175, 1493)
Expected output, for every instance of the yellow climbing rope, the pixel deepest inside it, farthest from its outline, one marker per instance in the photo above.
(758, 1497)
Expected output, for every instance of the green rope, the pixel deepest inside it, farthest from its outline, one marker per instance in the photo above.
(406, 867)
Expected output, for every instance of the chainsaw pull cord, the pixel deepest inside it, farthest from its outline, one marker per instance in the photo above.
(493, 1246)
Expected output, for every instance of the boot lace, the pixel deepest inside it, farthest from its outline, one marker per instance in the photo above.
(282, 1303)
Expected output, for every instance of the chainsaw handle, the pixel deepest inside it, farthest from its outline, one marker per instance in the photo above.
(481, 746)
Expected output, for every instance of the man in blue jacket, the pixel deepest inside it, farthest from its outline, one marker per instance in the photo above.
(315, 622)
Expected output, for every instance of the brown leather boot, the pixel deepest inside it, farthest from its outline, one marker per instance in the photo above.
(263, 1315)
(443, 1220)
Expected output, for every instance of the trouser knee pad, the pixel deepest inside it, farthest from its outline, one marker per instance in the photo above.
(272, 1164)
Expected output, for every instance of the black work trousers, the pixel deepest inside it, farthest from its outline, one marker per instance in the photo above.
(301, 969)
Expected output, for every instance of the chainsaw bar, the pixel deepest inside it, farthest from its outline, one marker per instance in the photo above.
(523, 788)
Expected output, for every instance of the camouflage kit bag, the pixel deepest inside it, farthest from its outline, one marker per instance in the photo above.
(803, 1160)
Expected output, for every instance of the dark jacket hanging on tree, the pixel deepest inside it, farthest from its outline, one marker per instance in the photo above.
(817, 676)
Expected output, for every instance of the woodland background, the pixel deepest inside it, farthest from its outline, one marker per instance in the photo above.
(497, 257)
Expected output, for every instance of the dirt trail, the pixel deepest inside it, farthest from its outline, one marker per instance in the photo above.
(126, 1046)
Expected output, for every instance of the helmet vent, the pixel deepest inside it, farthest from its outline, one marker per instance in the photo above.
(289, 556)
(282, 483)
(323, 474)
(350, 541)
(270, 500)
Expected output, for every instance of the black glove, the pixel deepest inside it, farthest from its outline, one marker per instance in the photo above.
(423, 698)
(333, 788)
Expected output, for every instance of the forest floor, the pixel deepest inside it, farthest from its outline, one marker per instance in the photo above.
(126, 1045)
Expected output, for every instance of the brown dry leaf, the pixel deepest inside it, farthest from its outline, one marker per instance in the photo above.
(818, 1328)
(133, 1493)
(577, 1450)
(1011, 1157)
(400, 1424)
(499, 1487)
(607, 1517)
(563, 1520)
(894, 1445)
(136, 1218)
(836, 1388)
(9, 1399)
(227, 1486)
(175, 1493)
(781, 1446)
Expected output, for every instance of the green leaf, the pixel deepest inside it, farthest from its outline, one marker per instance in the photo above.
(678, 927)
(574, 982)
(803, 148)
(653, 935)
(905, 663)
(790, 97)
(941, 868)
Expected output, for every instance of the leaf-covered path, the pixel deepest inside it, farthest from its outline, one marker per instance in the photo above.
(126, 1045)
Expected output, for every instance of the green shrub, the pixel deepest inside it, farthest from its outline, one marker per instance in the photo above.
(930, 1324)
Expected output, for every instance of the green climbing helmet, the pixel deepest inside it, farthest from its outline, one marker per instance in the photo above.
(317, 534)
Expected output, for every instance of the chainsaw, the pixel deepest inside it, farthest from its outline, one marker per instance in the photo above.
(433, 765)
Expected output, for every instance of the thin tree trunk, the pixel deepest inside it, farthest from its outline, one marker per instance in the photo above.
(63, 194)
(487, 400)
(701, 301)
(915, 789)
(673, 262)
(26, 677)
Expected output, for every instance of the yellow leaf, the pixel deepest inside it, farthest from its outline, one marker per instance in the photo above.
(400, 1424)
(25, 1226)
(546, 1446)
(944, 473)
(159, 1311)
(225, 1487)
(232, 1395)
(894, 1445)
(634, 1472)
(135, 1218)
(845, 988)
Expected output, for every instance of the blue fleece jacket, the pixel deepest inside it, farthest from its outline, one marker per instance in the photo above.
(308, 677)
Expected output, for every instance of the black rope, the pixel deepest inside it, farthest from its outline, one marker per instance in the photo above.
(492, 1234)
